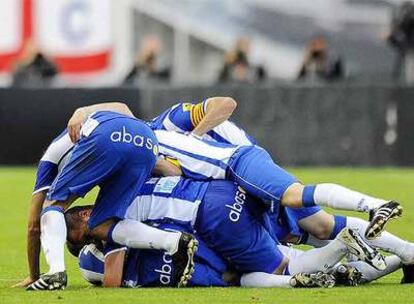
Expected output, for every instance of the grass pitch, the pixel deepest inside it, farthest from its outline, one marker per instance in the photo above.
(15, 190)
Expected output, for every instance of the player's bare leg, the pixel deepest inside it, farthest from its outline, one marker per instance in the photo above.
(338, 197)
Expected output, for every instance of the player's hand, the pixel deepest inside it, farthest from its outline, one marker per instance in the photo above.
(26, 282)
(75, 124)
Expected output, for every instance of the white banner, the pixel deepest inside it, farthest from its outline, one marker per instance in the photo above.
(73, 27)
(10, 26)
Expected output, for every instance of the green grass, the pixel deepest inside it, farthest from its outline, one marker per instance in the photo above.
(15, 190)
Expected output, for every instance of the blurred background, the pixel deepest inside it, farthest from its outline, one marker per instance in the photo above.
(322, 82)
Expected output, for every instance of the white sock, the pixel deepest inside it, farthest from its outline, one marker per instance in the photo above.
(338, 197)
(262, 279)
(370, 274)
(135, 234)
(386, 241)
(53, 238)
(318, 259)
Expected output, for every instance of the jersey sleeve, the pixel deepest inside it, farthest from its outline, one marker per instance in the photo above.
(48, 167)
(46, 173)
(111, 248)
(186, 116)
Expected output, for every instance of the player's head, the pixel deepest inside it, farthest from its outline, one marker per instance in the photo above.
(77, 225)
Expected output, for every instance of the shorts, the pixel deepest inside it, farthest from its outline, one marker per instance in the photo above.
(118, 156)
(254, 169)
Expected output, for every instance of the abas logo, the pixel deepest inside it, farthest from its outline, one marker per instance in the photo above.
(237, 207)
(166, 269)
(137, 140)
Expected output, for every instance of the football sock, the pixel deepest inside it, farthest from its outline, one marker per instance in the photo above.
(318, 259)
(135, 234)
(369, 273)
(263, 279)
(386, 241)
(338, 197)
(53, 237)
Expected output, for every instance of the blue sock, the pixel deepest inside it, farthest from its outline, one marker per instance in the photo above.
(307, 196)
(340, 223)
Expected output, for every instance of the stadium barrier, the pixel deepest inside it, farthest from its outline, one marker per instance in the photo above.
(339, 124)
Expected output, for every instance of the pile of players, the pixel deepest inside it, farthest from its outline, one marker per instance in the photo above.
(190, 199)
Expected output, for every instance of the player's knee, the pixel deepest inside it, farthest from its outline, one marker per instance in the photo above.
(320, 224)
(293, 196)
(323, 231)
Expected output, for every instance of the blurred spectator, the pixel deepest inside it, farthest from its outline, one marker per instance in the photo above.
(401, 37)
(237, 67)
(145, 67)
(318, 64)
(33, 69)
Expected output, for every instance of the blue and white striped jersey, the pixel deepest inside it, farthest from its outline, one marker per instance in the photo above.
(173, 199)
(184, 117)
(198, 159)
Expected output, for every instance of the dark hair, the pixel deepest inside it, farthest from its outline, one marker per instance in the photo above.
(72, 217)
(74, 249)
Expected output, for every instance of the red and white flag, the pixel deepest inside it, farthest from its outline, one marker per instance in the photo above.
(11, 31)
(75, 33)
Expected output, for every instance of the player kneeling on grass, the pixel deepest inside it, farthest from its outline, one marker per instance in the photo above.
(239, 237)
(117, 153)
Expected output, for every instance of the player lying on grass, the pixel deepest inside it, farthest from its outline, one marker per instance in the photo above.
(113, 266)
(119, 168)
(209, 120)
(241, 238)
(123, 267)
(253, 169)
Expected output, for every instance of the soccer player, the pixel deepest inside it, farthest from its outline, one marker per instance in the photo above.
(253, 169)
(209, 120)
(117, 153)
(227, 219)
(123, 267)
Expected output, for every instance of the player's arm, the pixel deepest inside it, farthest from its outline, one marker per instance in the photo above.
(113, 269)
(212, 112)
(81, 114)
(167, 167)
(33, 234)
(33, 239)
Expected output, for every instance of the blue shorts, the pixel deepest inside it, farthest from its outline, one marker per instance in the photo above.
(118, 156)
(228, 225)
(254, 169)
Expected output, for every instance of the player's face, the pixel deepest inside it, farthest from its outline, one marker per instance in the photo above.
(80, 234)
